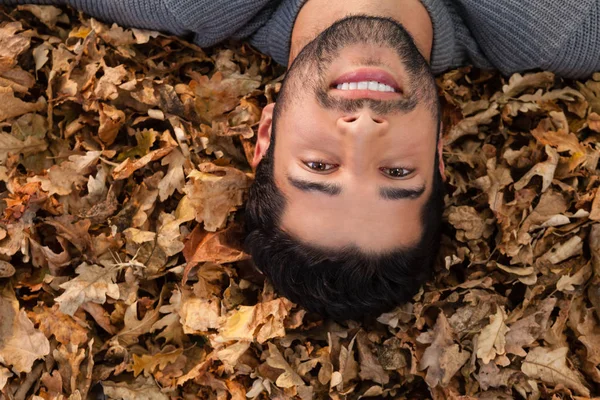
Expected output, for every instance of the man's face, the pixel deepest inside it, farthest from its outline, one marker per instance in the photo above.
(356, 163)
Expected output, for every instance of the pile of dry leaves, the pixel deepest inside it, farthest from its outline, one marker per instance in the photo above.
(123, 171)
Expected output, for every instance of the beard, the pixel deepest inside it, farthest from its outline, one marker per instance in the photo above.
(307, 73)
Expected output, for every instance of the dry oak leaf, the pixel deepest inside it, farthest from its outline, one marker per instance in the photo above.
(525, 331)
(220, 247)
(544, 169)
(219, 94)
(594, 245)
(20, 343)
(4, 375)
(11, 45)
(111, 121)
(93, 283)
(11, 145)
(148, 363)
(595, 211)
(492, 338)
(140, 389)
(14, 107)
(49, 15)
(348, 368)
(230, 355)
(443, 358)
(551, 367)
(563, 250)
(469, 222)
(242, 324)
(288, 378)
(566, 282)
(128, 167)
(106, 87)
(470, 125)
(135, 327)
(6, 269)
(174, 179)
(214, 192)
(560, 138)
(64, 328)
(518, 83)
(61, 179)
(199, 315)
(490, 375)
(370, 367)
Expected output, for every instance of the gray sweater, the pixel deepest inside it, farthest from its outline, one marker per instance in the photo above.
(562, 36)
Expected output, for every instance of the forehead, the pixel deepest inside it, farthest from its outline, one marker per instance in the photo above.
(354, 218)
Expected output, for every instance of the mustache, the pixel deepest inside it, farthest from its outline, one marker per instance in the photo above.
(380, 107)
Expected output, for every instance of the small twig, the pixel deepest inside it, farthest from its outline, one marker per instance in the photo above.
(32, 377)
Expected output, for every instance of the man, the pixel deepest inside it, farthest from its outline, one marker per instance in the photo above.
(344, 216)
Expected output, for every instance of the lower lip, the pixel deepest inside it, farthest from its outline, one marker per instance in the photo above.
(368, 74)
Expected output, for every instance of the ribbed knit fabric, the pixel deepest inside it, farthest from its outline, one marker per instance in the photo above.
(562, 36)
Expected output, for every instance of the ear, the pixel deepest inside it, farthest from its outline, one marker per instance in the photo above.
(440, 151)
(263, 138)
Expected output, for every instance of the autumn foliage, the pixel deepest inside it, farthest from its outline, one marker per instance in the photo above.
(123, 173)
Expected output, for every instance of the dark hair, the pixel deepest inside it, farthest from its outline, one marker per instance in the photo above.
(340, 284)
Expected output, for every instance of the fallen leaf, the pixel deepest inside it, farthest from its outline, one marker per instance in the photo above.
(551, 367)
(93, 283)
(139, 389)
(544, 169)
(443, 358)
(20, 343)
(214, 191)
(492, 339)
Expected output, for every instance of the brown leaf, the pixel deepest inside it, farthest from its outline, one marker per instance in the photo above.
(49, 15)
(551, 367)
(128, 167)
(214, 192)
(20, 343)
(220, 94)
(443, 358)
(149, 363)
(289, 378)
(470, 125)
(64, 328)
(470, 222)
(370, 368)
(6, 269)
(11, 145)
(544, 169)
(139, 389)
(93, 283)
(111, 121)
(220, 247)
(492, 339)
(135, 327)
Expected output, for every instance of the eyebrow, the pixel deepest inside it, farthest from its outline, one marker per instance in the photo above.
(390, 193)
(386, 193)
(307, 186)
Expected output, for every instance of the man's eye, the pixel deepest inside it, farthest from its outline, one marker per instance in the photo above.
(396, 173)
(320, 166)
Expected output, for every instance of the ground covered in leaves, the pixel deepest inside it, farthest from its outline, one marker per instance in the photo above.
(123, 171)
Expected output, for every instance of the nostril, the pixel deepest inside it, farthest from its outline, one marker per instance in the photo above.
(349, 119)
(377, 120)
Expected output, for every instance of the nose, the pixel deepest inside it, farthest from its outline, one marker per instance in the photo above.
(363, 124)
(360, 132)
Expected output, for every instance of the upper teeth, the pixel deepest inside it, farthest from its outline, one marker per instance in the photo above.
(365, 85)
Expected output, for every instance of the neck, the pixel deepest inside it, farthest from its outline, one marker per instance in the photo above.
(317, 15)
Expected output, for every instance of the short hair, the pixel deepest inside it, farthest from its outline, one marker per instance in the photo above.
(342, 283)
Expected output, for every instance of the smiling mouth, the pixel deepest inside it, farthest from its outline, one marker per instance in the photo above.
(370, 83)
